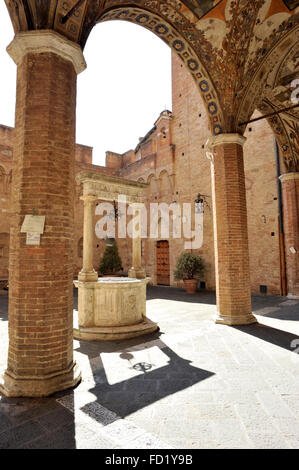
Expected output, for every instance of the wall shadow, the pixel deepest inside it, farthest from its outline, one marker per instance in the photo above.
(174, 293)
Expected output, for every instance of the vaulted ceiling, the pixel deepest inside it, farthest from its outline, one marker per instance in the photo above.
(243, 54)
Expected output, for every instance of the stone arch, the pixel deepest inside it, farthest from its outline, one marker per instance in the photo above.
(184, 39)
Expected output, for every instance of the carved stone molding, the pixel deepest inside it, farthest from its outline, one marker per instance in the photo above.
(109, 188)
(289, 176)
(35, 42)
(225, 139)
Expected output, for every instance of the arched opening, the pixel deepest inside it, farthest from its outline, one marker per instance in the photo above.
(181, 44)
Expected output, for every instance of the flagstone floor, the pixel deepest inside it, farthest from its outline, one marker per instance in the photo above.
(192, 385)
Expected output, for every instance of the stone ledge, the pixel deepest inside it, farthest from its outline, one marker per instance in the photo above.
(113, 333)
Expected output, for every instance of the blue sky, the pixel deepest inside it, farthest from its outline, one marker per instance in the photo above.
(126, 85)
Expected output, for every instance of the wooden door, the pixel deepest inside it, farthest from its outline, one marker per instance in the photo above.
(163, 268)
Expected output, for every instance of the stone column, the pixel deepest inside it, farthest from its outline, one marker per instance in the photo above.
(230, 230)
(88, 274)
(40, 356)
(136, 271)
(290, 198)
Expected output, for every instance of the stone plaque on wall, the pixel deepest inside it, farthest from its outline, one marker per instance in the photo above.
(32, 238)
(33, 224)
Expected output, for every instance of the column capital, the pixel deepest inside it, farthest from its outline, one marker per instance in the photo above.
(40, 41)
(89, 198)
(225, 139)
(289, 176)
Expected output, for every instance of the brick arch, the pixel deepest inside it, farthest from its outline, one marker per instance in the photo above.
(287, 139)
(182, 45)
(151, 182)
(164, 186)
(264, 78)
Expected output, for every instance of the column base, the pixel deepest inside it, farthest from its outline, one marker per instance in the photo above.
(293, 297)
(235, 319)
(13, 386)
(115, 333)
(137, 273)
(90, 276)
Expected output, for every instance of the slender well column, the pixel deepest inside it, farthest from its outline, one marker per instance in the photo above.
(230, 230)
(88, 274)
(290, 196)
(40, 356)
(136, 271)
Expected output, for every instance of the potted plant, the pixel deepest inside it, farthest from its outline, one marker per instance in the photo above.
(111, 262)
(189, 268)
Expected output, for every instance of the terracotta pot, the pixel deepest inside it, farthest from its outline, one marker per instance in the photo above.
(190, 285)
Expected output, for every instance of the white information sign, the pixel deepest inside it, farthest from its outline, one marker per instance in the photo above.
(33, 223)
(32, 238)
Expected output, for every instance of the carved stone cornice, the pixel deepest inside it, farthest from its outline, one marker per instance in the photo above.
(225, 139)
(109, 188)
(35, 42)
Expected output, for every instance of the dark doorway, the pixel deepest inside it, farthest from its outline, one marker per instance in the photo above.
(163, 268)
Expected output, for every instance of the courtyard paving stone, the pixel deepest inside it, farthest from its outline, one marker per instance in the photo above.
(192, 385)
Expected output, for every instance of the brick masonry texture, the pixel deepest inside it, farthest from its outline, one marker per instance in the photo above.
(172, 159)
(290, 192)
(230, 225)
(40, 294)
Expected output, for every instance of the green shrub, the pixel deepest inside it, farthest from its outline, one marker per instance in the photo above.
(189, 266)
(111, 261)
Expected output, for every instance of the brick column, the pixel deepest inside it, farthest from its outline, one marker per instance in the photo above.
(40, 357)
(88, 273)
(290, 198)
(230, 230)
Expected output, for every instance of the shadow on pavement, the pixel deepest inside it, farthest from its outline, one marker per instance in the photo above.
(280, 338)
(151, 385)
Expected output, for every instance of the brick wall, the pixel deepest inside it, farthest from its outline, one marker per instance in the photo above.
(173, 160)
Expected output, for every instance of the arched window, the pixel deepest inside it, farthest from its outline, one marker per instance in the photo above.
(152, 186)
(164, 183)
(163, 134)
